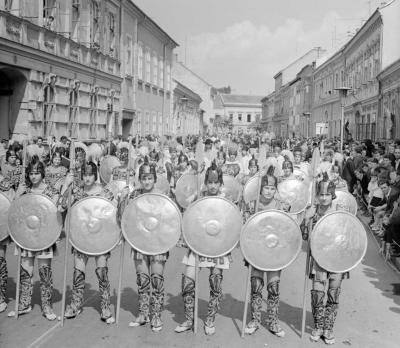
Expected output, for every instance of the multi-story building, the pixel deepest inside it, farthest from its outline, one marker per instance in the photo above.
(88, 69)
(300, 100)
(146, 71)
(326, 107)
(286, 122)
(267, 112)
(389, 80)
(241, 112)
(59, 68)
(198, 85)
(187, 117)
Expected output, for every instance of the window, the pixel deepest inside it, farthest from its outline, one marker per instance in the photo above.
(49, 14)
(153, 130)
(140, 61)
(128, 61)
(155, 69)
(72, 128)
(161, 68)
(111, 33)
(95, 25)
(160, 124)
(147, 122)
(116, 124)
(248, 118)
(48, 109)
(168, 78)
(148, 65)
(93, 113)
(240, 117)
(139, 122)
(231, 117)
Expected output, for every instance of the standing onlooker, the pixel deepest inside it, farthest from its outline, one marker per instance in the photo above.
(348, 170)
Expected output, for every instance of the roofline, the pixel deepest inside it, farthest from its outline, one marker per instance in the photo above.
(187, 90)
(198, 76)
(336, 55)
(146, 17)
(371, 19)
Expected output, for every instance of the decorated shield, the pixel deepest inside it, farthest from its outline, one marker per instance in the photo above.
(162, 185)
(93, 227)
(231, 188)
(338, 242)
(34, 222)
(270, 240)
(151, 223)
(4, 207)
(211, 226)
(295, 193)
(186, 189)
(346, 201)
(107, 165)
(250, 190)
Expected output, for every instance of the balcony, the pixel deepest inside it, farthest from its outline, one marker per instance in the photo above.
(31, 35)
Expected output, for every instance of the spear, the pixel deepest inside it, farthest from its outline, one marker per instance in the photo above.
(24, 157)
(314, 166)
(122, 252)
(67, 231)
(262, 159)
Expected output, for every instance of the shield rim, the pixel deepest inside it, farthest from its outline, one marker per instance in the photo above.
(196, 176)
(69, 232)
(346, 193)
(298, 248)
(279, 194)
(8, 230)
(256, 175)
(100, 171)
(358, 222)
(180, 223)
(183, 230)
(58, 219)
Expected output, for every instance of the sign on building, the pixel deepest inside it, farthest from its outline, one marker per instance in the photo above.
(321, 128)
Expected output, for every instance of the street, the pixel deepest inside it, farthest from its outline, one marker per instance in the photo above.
(368, 312)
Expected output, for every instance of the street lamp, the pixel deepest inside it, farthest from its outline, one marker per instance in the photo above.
(343, 94)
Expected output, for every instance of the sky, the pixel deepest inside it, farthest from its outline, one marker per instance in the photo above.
(243, 44)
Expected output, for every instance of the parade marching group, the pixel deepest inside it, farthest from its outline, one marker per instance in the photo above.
(209, 195)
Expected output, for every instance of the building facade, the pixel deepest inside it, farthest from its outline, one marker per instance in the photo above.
(326, 107)
(389, 80)
(146, 68)
(187, 116)
(239, 112)
(60, 69)
(198, 85)
(292, 86)
(267, 112)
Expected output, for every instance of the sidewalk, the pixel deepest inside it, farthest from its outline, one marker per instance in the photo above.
(393, 262)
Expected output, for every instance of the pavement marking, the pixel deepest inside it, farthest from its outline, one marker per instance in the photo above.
(38, 341)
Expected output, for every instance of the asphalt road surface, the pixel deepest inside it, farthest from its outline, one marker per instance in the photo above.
(369, 313)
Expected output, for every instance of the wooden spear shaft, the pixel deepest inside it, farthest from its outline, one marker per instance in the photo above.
(24, 157)
(67, 233)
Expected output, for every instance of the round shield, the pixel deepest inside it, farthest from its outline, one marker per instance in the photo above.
(231, 188)
(34, 222)
(4, 206)
(346, 201)
(151, 223)
(250, 190)
(295, 193)
(93, 227)
(211, 226)
(107, 165)
(338, 242)
(270, 240)
(186, 189)
(162, 185)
